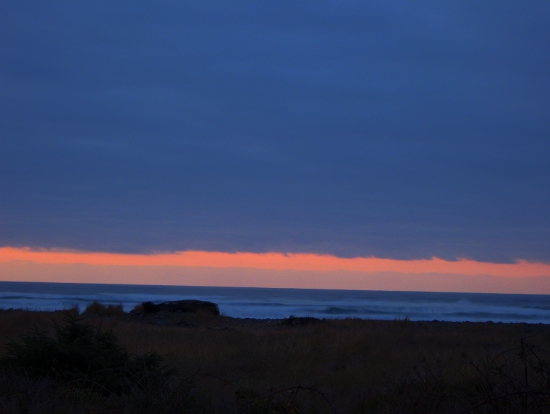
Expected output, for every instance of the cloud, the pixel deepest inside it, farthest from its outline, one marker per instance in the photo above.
(400, 131)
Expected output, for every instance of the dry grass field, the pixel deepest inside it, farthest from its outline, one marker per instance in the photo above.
(227, 365)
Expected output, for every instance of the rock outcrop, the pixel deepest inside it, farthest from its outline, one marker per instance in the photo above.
(194, 306)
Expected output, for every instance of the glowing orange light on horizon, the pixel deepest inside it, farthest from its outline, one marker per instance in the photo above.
(277, 261)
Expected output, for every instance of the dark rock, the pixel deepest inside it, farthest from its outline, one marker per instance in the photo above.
(150, 307)
(194, 306)
(294, 321)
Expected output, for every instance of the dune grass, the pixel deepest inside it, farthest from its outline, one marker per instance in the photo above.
(345, 366)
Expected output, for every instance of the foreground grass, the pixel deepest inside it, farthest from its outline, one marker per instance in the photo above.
(346, 366)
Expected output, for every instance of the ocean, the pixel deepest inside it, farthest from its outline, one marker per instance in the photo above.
(281, 303)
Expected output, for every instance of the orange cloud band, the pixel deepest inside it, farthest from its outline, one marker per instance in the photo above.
(277, 261)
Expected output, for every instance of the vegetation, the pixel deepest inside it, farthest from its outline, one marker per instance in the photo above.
(109, 362)
(83, 356)
(98, 309)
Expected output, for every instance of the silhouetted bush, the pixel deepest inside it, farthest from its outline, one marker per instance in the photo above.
(83, 355)
(98, 309)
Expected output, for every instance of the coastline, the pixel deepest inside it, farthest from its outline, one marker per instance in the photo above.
(281, 303)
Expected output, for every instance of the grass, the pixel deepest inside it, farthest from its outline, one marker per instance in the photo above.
(345, 366)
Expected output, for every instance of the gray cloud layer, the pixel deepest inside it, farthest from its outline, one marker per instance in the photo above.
(400, 130)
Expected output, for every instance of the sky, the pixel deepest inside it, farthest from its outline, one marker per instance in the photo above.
(401, 131)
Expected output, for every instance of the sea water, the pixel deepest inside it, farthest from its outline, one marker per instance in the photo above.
(282, 303)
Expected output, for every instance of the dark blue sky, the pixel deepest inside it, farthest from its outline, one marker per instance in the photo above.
(396, 129)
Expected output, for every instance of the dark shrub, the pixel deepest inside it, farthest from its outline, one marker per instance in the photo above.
(82, 354)
(96, 308)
